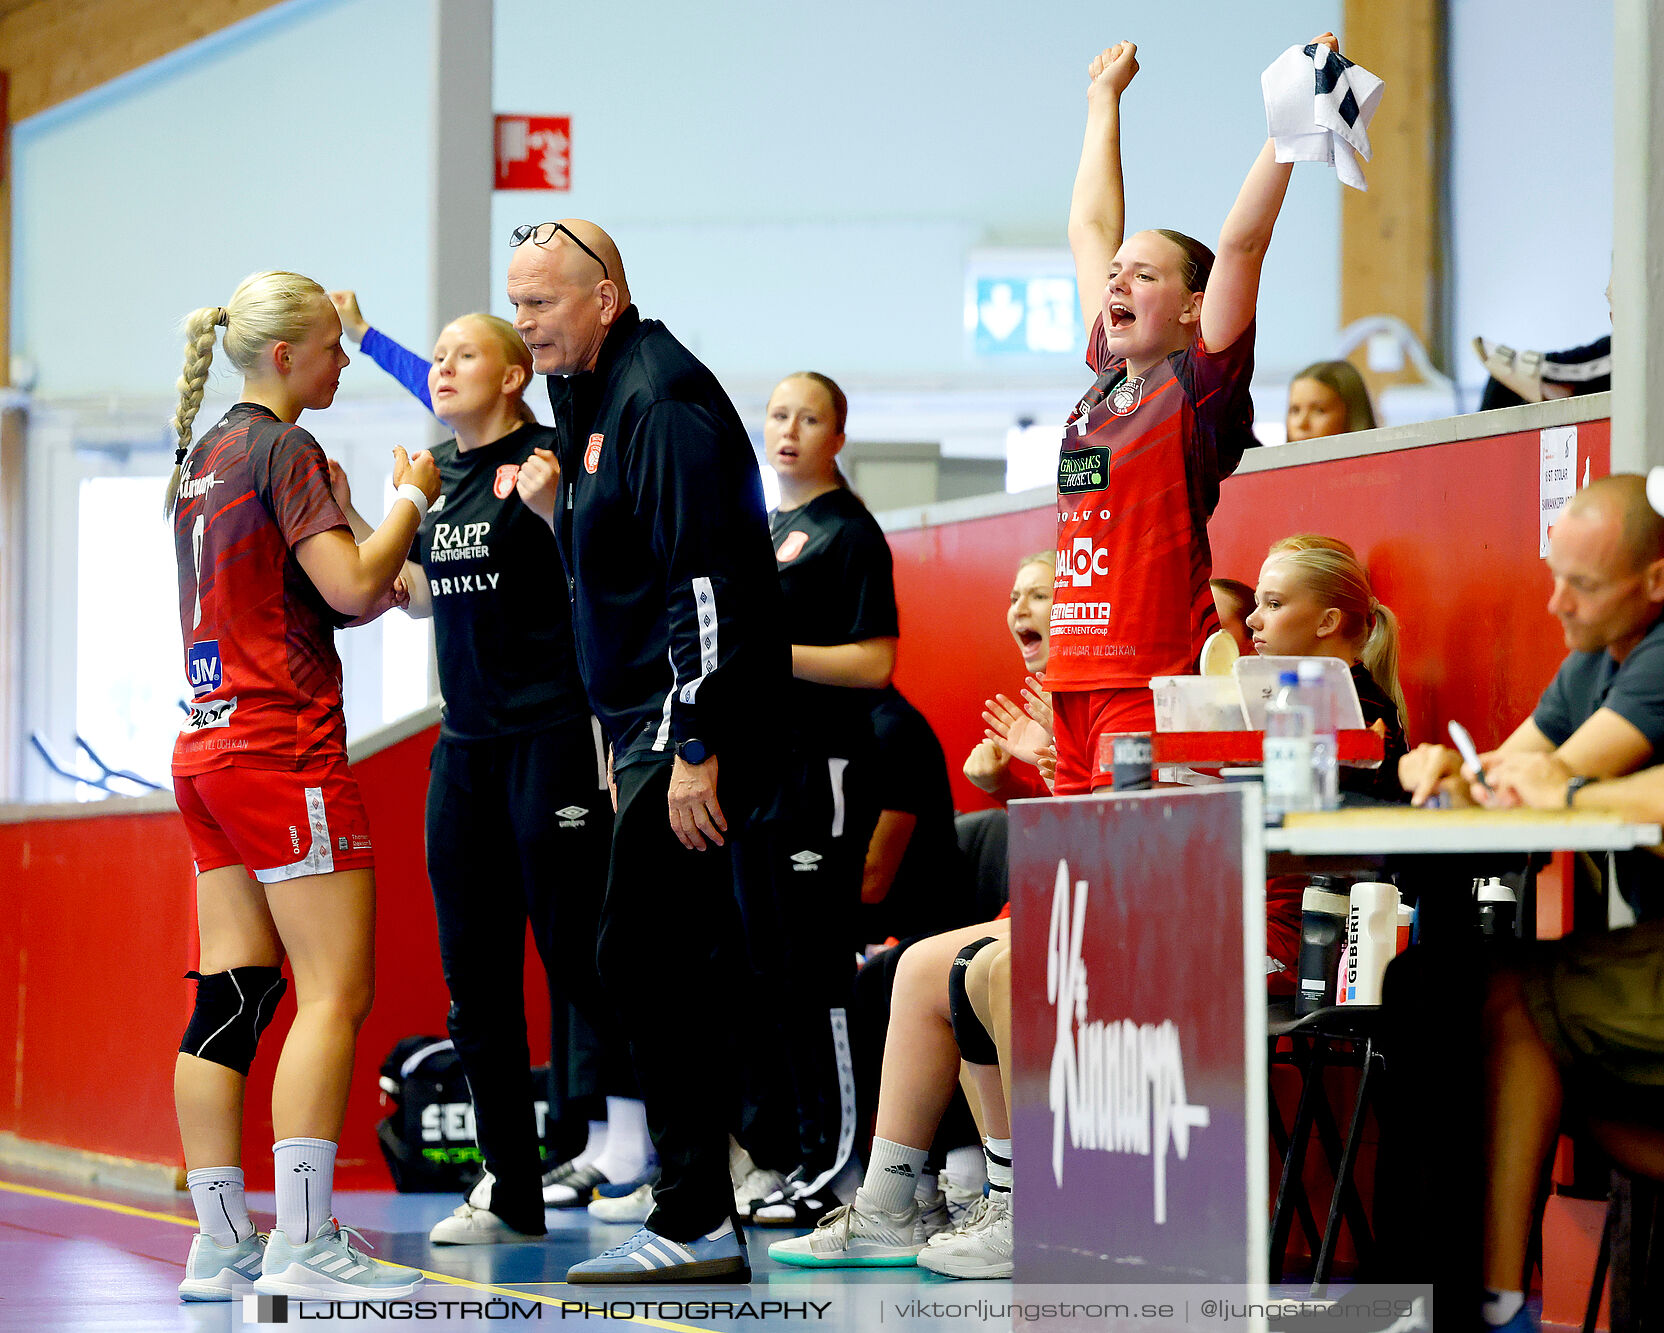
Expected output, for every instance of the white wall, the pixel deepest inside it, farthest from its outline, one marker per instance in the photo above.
(297, 140)
(1531, 174)
(799, 185)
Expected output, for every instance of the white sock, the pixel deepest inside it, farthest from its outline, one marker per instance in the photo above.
(967, 1168)
(628, 1145)
(725, 1229)
(221, 1212)
(893, 1171)
(594, 1144)
(1501, 1306)
(928, 1187)
(998, 1152)
(305, 1186)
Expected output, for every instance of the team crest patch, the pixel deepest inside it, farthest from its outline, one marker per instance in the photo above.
(1124, 399)
(592, 455)
(792, 547)
(507, 475)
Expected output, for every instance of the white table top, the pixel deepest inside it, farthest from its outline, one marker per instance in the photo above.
(1376, 832)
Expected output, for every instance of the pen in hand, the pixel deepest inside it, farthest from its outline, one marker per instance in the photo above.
(1464, 743)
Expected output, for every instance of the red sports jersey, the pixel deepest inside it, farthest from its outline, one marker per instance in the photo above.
(1137, 479)
(259, 638)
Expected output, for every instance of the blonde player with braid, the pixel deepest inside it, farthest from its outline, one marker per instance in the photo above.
(267, 570)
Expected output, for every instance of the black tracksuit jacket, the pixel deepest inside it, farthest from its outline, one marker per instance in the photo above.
(676, 605)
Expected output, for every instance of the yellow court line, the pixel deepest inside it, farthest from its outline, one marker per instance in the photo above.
(127, 1211)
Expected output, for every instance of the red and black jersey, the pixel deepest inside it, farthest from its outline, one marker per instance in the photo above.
(1137, 479)
(259, 637)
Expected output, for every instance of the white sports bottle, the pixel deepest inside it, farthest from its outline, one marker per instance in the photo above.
(1371, 942)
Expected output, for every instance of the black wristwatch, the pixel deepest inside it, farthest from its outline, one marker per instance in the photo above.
(1576, 785)
(692, 751)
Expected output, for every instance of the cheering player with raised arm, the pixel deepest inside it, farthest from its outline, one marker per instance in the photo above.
(1171, 341)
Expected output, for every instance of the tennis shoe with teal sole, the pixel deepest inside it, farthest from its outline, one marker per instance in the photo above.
(856, 1235)
(215, 1272)
(329, 1268)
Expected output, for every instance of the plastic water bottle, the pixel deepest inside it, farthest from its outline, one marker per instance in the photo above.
(1325, 747)
(1288, 750)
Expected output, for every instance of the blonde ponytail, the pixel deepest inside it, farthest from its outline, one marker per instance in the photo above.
(193, 382)
(274, 306)
(1380, 656)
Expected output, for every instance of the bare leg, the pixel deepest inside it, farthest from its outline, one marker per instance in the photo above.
(1523, 1097)
(988, 983)
(327, 923)
(1639, 1149)
(973, 1098)
(236, 931)
(921, 1058)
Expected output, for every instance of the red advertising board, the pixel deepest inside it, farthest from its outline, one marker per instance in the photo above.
(1138, 1034)
(534, 153)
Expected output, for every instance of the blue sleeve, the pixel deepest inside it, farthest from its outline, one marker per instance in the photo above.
(401, 363)
(1637, 694)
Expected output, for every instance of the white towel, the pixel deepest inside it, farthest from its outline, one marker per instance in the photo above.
(1318, 106)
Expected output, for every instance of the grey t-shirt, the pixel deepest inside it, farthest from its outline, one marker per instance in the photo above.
(1634, 690)
(1588, 682)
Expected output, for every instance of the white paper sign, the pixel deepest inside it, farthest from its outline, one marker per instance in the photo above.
(1558, 454)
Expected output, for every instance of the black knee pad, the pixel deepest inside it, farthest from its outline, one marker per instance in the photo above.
(232, 1010)
(975, 1045)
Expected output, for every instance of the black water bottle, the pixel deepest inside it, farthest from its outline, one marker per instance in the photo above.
(1323, 909)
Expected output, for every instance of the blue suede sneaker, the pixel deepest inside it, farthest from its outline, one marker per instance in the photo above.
(649, 1257)
(1524, 1321)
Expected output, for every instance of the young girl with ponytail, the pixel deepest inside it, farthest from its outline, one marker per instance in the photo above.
(1314, 600)
(267, 570)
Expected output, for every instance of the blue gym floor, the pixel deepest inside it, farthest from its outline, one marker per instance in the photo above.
(86, 1257)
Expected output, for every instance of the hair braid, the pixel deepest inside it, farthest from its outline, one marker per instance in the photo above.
(193, 382)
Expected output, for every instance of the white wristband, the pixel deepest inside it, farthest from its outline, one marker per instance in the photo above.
(414, 493)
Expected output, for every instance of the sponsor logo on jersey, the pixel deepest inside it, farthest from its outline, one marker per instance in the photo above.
(202, 665)
(792, 547)
(1086, 560)
(189, 490)
(459, 541)
(446, 585)
(437, 505)
(215, 713)
(1067, 614)
(504, 484)
(572, 816)
(1081, 471)
(806, 860)
(592, 455)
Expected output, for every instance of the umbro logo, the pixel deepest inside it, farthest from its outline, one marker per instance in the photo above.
(571, 816)
(806, 860)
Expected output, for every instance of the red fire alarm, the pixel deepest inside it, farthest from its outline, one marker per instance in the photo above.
(534, 153)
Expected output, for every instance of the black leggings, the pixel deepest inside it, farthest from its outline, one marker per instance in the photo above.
(518, 830)
(799, 883)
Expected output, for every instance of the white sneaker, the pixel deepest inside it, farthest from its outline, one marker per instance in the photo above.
(855, 1236)
(933, 1216)
(329, 1268)
(218, 1273)
(632, 1208)
(469, 1225)
(475, 1224)
(981, 1247)
(962, 1200)
(757, 1183)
